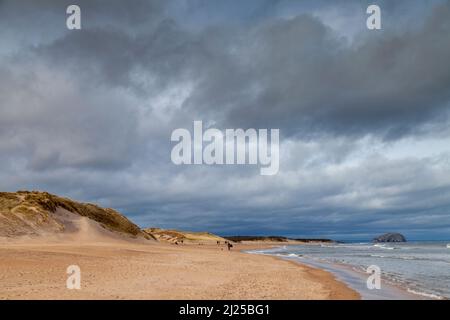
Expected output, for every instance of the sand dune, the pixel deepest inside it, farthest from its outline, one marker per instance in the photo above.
(31, 214)
(175, 236)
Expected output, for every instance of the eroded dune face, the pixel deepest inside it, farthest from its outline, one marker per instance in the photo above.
(29, 214)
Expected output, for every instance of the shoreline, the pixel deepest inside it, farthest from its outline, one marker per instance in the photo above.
(353, 279)
(314, 271)
(159, 271)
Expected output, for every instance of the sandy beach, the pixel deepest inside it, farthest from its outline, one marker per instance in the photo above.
(117, 269)
(118, 260)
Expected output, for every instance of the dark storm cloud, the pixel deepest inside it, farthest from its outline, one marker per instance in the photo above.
(296, 75)
(88, 113)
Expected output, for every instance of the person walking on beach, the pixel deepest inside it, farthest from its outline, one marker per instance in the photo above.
(229, 245)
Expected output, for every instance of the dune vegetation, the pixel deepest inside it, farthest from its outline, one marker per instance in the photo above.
(31, 212)
(182, 236)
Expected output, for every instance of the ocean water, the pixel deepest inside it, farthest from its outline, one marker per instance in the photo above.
(413, 270)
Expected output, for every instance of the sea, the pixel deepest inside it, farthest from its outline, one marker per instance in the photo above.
(411, 270)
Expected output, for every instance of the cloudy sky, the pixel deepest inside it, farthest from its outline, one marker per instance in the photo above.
(363, 115)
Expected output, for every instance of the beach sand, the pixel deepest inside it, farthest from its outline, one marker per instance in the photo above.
(118, 269)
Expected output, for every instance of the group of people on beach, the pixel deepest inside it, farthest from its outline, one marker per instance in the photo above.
(228, 244)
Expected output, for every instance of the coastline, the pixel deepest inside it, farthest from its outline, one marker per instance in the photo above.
(352, 278)
(339, 289)
(131, 270)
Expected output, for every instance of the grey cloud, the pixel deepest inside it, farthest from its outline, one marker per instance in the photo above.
(292, 74)
(307, 81)
(89, 114)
